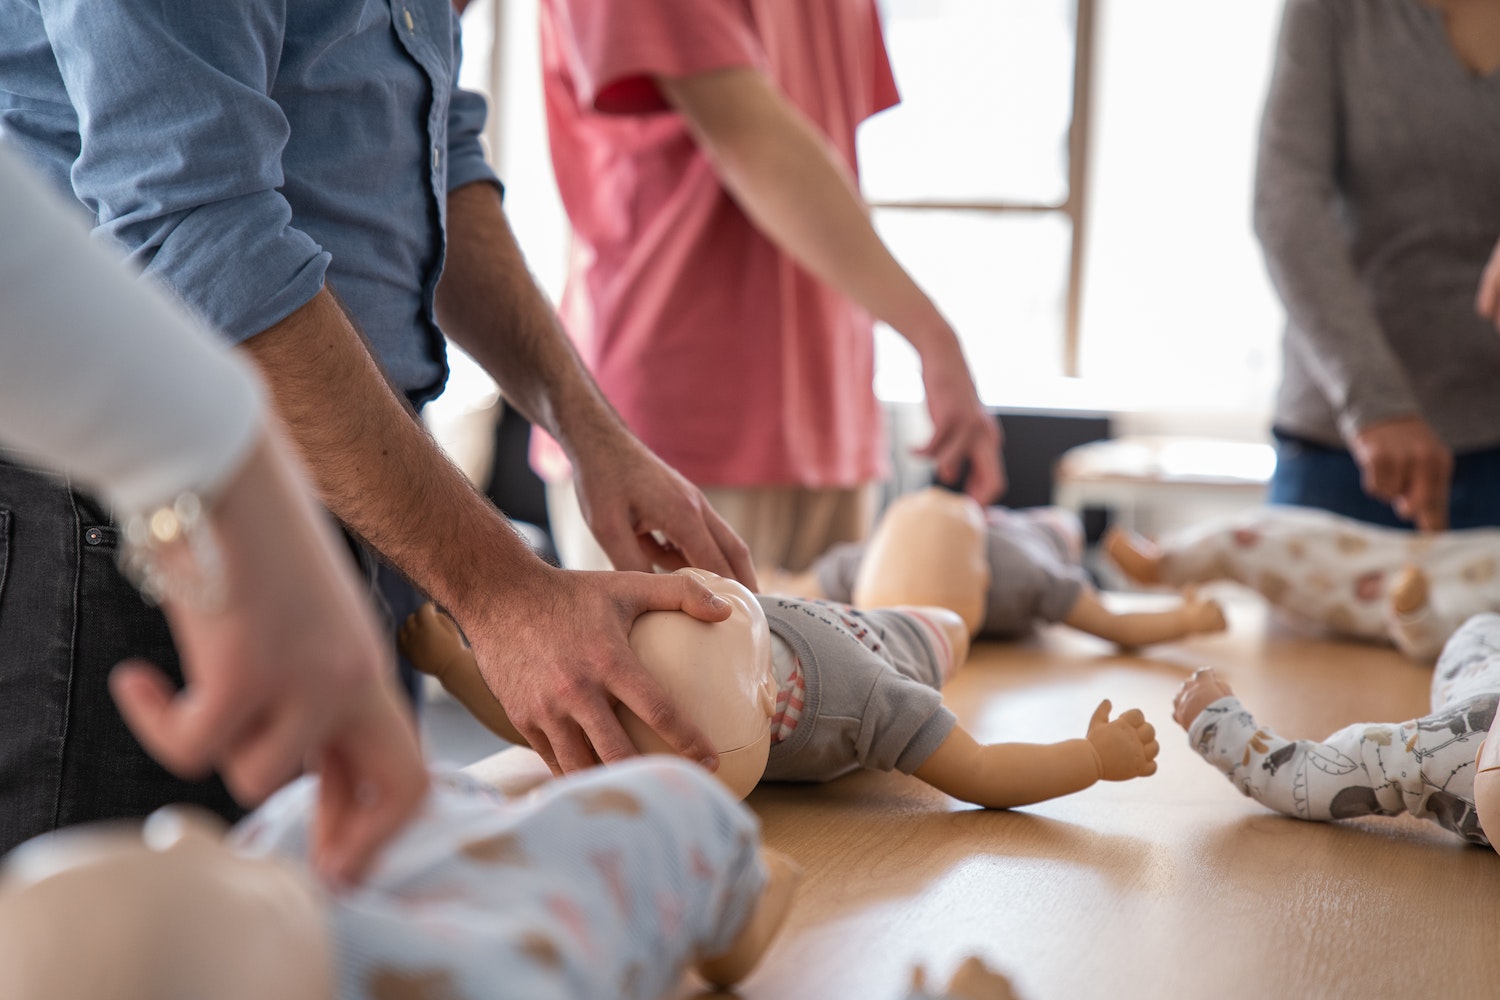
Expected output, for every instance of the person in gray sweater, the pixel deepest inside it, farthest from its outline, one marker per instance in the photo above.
(1377, 207)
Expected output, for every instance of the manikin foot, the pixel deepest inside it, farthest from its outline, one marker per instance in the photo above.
(1137, 557)
(429, 639)
(765, 920)
(1201, 615)
(1409, 595)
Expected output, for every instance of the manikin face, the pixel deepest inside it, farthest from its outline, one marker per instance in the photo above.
(717, 674)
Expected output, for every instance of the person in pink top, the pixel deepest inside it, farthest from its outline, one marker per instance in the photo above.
(725, 273)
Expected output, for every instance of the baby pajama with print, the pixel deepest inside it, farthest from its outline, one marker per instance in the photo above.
(1423, 766)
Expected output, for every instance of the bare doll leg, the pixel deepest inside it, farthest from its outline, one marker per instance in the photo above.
(1194, 616)
(1430, 600)
(1425, 766)
(1415, 628)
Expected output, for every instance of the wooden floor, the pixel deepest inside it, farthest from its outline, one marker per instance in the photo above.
(1165, 887)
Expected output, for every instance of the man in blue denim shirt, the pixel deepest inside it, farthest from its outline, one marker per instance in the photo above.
(256, 157)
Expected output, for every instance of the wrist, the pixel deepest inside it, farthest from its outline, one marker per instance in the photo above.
(1090, 754)
(476, 565)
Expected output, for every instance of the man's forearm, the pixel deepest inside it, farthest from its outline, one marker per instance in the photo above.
(374, 464)
(490, 305)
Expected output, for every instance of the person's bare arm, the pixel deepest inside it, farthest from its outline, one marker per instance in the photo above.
(490, 305)
(1193, 616)
(782, 173)
(1005, 775)
(552, 645)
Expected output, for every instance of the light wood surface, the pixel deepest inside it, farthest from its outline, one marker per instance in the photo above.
(1164, 887)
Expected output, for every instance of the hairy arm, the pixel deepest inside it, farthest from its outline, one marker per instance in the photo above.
(490, 305)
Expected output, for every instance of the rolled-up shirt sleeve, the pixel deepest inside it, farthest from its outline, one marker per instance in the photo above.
(466, 116)
(100, 375)
(180, 151)
(616, 48)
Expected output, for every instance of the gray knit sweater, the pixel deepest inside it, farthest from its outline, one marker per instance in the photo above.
(1377, 204)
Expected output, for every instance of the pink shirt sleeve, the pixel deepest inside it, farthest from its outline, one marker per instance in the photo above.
(616, 47)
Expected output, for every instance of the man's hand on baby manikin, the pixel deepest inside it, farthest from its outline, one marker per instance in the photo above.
(1197, 693)
(1126, 745)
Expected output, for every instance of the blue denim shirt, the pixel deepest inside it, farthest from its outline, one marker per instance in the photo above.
(246, 151)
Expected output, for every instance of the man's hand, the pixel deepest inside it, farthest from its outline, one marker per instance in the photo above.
(629, 497)
(554, 649)
(290, 672)
(1404, 463)
(963, 431)
(1197, 693)
(1487, 300)
(1126, 746)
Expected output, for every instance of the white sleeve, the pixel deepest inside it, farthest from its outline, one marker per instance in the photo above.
(101, 376)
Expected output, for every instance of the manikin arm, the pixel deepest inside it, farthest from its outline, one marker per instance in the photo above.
(1005, 775)
(1143, 628)
(434, 645)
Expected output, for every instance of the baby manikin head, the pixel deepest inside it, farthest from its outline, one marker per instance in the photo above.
(717, 674)
(165, 908)
(1487, 785)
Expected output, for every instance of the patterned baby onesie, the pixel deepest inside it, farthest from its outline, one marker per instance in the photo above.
(1424, 766)
(603, 884)
(1338, 572)
(859, 689)
(1035, 575)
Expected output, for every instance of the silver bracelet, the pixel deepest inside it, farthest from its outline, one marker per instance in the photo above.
(197, 582)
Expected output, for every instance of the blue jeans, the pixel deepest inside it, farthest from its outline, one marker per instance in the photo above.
(1314, 475)
(67, 617)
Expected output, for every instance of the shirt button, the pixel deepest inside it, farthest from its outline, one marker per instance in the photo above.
(437, 155)
(94, 536)
(410, 24)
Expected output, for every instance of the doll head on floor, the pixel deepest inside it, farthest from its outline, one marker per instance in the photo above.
(161, 907)
(719, 674)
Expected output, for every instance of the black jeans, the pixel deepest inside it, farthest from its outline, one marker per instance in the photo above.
(67, 617)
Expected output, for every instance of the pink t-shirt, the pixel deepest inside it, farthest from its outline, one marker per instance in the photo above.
(729, 360)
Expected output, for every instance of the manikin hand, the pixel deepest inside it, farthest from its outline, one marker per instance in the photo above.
(962, 429)
(290, 672)
(1201, 614)
(1197, 693)
(972, 980)
(628, 496)
(1404, 463)
(1487, 300)
(554, 649)
(1126, 746)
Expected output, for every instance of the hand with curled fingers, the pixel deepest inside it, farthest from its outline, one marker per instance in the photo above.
(288, 671)
(1126, 745)
(963, 431)
(1403, 462)
(1197, 693)
(554, 649)
(644, 514)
